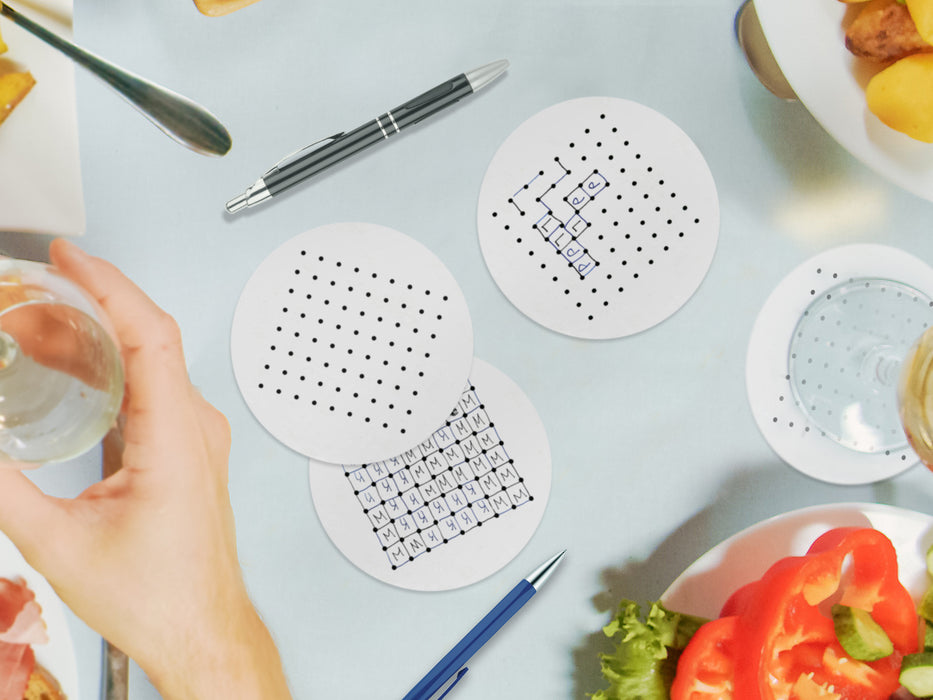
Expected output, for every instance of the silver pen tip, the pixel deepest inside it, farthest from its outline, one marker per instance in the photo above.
(482, 76)
(537, 577)
(237, 203)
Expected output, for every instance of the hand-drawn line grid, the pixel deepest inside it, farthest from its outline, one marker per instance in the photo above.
(453, 482)
(633, 229)
(559, 218)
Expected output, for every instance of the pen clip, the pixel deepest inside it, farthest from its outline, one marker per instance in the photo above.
(451, 682)
(291, 157)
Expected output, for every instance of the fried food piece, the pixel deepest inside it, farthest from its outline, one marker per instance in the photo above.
(13, 88)
(216, 8)
(43, 686)
(901, 96)
(883, 32)
(3, 46)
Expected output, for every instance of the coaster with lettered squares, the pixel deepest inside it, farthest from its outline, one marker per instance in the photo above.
(803, 357)
(598, 217)
(351, 341)
(453, 508)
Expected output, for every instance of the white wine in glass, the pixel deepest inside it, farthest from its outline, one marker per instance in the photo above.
(61, 377)
(915, 396)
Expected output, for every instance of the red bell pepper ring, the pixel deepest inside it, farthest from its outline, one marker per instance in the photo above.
(706, 668)
(780, 642)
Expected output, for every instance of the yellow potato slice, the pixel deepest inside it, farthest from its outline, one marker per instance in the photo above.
(901, 96)
(13, 88)
(922, 13)
(216, 8)
(3, 47)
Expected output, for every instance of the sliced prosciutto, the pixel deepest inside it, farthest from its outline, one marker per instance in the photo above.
(20, 614)
(14, 594)
(21, 625)
(16, 664)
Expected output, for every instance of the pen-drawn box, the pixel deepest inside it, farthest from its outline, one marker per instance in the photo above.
(584, 265)
(548, 224)
(443, 437)
(419, 471)
(415, 546)
(436, 463)
(578, 199)
(577, 225)
(595, 184)
(573, 252)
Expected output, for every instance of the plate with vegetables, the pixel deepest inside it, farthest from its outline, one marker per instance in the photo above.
(887, 126)
(827, 602)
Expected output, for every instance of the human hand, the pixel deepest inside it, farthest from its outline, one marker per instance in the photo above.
(148, 556)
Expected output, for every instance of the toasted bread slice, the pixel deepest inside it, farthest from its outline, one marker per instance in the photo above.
(13, 88)
(43, 686)
(216, 8)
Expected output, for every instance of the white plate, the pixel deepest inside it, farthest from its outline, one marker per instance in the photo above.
(807, 38)
(705, 585)
(40, 170)
(58, 655)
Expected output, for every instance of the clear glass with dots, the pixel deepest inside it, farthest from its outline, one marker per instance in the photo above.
(829, 369)
(845, 359)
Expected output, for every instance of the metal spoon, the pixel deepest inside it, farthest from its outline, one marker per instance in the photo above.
(183, 120)
(758, 54)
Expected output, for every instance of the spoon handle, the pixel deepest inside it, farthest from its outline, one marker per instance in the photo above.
(180, 118)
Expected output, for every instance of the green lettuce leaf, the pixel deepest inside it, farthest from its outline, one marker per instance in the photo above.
(644, 662)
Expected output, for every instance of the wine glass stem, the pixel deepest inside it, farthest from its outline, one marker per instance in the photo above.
(883, 365)
(9, 350)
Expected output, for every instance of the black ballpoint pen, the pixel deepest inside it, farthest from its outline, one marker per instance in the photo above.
(319, 156)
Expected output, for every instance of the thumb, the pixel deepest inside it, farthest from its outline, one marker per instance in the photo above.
(26, 513)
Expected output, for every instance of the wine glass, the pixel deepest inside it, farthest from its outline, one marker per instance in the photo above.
(61, 377)
(858, 371)
(915, 391)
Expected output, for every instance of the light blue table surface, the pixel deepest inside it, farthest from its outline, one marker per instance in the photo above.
(656, 455)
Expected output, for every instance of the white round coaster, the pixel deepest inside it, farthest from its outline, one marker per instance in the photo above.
(453, 509)
(598, 217)
(350, 342)
(782, 422)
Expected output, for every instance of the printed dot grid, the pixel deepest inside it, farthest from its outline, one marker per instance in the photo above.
(350, 342)
(614, 222)
(318, 333)
(455, 481)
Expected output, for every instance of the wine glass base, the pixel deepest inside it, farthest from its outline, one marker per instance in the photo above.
(845, 355)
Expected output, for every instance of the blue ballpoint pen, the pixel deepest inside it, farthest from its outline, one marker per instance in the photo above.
(449, 670)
